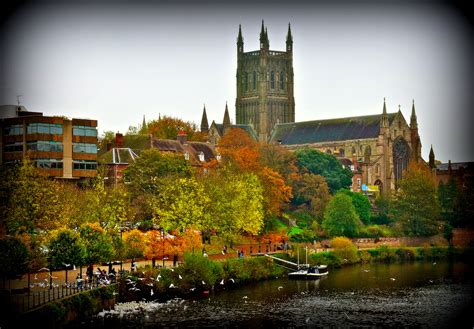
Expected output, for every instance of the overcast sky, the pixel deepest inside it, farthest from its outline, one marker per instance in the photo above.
(116, 62)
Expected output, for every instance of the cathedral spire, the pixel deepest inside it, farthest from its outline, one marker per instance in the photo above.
(240, 41)
(226, 117)
(413, 120)
(289, 40)
(432, 158)
(204, 122)
(264, 43)
(144, 122)
(384, 120)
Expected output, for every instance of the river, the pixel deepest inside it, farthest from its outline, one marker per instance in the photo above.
(421, 295)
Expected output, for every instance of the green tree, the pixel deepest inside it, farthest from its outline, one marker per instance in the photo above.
(448, 196)
(32, 202)
(326, 165)
(362, 205)
(66, 247)
(13, 258)
(383, 204)
(340, 217)
(181, 204)
(147, 172)
(98, 244)
(416, 207)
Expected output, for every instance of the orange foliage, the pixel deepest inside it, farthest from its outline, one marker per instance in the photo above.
(168, 128)
(239, 148)
(276, 191)
(154, 244)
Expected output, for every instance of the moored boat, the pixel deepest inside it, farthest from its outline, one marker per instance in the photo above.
(309, 273)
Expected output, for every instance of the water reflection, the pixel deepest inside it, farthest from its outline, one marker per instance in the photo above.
(389, 295)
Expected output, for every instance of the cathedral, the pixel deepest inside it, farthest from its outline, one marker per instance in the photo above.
(377, 148)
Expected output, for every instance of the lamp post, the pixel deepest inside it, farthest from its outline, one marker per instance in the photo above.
(163, 245)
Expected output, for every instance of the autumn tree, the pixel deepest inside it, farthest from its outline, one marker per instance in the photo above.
(277, 192)
(238, 148)
(134, 243)
(312, 192)
(416, 207)
(326, 165)
(279, 159)
(340, 217)
(168, 128)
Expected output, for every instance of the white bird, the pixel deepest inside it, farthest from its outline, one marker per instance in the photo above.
(67, 265)
(172, 286)
(36, 276)
(366, 271)
(307, 320)
(141, 279)
(151, 292)
(150, 284)
(204, 283)
(192, 289)
(171, 270)
(222, 282)
(393, 279)
(232, 280)
(73, 267)
(180, 277)
(431, 281)
(245, 297)
(280, 287)
(434, 263)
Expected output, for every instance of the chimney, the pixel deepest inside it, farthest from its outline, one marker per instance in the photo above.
(182, 137)
(118, 140)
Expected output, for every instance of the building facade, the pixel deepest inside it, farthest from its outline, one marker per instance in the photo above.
(59, 147)
(381, 144)
(265, 85)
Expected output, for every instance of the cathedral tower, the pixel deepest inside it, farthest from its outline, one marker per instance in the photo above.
(265, 85)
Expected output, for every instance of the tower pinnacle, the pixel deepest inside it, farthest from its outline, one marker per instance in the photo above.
(204, 122)
(413, 120)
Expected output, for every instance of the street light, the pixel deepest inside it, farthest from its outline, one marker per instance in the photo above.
(163, 245)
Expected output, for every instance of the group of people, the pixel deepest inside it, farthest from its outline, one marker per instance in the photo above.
(240, 253)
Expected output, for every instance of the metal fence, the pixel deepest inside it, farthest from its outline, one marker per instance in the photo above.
(23, 300)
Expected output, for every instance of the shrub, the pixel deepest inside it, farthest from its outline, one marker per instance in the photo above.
(345, 249)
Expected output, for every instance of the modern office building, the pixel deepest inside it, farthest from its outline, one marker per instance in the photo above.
(58, 146)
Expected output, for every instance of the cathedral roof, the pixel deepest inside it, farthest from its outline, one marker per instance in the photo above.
(247, 128)
(318, 131)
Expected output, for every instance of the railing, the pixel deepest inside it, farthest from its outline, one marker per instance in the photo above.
(26, 299)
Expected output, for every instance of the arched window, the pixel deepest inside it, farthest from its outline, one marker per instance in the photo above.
(401, 155)
(282, 80)
(377, 169)
(272, 80)
(353, 150)
(367, 153)
(254, 80)
(341, 152)
(328, 151)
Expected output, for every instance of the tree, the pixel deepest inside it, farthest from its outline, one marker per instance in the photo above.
(66, 247)
(277, 193)
(362, 205)
(168, 128)
(280, 159)
(340, 217)
(448, 196)
(98, 244)
(416, 208)
(134, 243)
(237, 202)
(13, 258)
(181, 204)
(32, 202)
(311, 191)
(146, 173)
(238, 148)
(325, 165)
(344, 249)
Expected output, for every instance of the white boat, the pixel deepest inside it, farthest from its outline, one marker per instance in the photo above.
(309, 272)
(304, 271)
